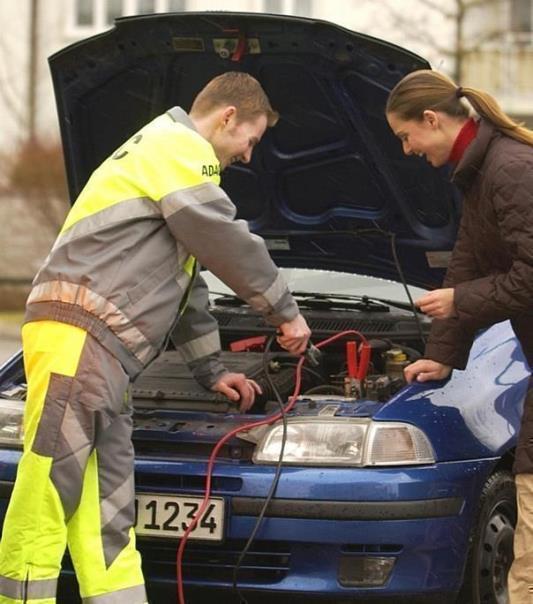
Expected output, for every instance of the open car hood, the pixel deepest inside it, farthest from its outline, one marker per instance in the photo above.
(329, 186)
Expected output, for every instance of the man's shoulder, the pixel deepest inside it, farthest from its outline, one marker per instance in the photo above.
(185, 145)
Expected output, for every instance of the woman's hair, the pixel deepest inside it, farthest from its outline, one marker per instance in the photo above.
(427, 89)
(240, 90)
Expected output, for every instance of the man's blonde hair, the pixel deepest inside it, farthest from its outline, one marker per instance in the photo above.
(239, 89)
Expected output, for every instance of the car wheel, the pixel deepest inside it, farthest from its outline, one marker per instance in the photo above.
(491, 545)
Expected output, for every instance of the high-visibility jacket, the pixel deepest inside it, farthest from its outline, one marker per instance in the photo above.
(121, 265)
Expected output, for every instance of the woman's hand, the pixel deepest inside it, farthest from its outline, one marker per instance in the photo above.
(424, 370)
(438, 303)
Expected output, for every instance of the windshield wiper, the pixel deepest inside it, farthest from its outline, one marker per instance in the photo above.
(364, 299)
(344, 301)
(327, 301)
(322, 301)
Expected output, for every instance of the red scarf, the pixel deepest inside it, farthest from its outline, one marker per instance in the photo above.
(466, 135)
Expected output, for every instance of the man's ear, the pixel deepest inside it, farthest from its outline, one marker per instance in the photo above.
(431, 118)
(228, 114)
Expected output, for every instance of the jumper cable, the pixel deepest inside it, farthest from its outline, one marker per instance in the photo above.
(264, 422)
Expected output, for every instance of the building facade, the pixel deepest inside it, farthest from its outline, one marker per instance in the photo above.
(494, 45)
(485, 43)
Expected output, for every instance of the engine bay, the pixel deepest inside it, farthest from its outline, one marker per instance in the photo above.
(393, 336)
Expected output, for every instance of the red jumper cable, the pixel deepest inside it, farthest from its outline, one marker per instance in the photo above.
(267, 421)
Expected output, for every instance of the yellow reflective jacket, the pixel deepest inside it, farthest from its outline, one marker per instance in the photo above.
(121, 265)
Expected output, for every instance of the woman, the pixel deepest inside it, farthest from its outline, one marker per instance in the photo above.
(490, 276)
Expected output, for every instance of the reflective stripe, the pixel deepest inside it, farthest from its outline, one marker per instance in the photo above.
(131, 595)
(199, 194)
(72, 293)
(70, 460)
(75, 437)
(32, 590)
(271, 296)
(122, 211)
(177, 114)
(183, 279)
(117, 501)
(189, 265)
(201, 347)
(190, 269)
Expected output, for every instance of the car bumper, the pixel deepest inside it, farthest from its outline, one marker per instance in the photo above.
(321, 528)
(323, 524)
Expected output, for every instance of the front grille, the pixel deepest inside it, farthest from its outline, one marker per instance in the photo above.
(196, 451)
(265, 562)
(151, 482)
(371, 548)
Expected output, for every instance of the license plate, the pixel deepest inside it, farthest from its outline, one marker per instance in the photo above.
(169, 516)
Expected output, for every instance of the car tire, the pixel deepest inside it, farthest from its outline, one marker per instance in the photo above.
(491, 545)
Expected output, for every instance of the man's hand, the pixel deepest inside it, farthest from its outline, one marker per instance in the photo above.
(438, 303)
(294, 335)
(237, 387)
(424, 370)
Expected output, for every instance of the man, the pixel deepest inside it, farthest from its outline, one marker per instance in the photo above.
(123, 268)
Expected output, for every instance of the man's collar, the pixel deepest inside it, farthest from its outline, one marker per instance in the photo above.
(180, 116)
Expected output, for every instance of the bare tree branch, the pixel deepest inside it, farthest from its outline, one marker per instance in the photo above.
(490, 36)
(457, 17)
(437, 7)
(416, 30)
(471, 4)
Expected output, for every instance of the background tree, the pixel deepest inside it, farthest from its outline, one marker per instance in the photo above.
(473, 23)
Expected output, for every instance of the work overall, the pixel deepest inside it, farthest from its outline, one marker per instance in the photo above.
(100, 310)
(75, 480)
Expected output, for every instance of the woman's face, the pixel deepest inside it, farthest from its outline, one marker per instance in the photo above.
(426, 137)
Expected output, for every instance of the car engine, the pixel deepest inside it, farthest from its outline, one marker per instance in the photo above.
(393, 336)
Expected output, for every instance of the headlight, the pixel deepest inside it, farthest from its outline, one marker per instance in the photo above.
(11, 413)
(332, 442)
(343, 442)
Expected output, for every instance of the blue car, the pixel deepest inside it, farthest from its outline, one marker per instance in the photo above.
(366, 489)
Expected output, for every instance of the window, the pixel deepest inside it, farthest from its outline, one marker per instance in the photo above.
(84, 12)
(92, 16)
(176, 6)
(273, 6)
(302, 8)
(145, 7)
(113, 10)
(521, 16)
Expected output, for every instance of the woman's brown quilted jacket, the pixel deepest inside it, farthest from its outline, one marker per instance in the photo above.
(492, 262)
